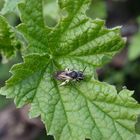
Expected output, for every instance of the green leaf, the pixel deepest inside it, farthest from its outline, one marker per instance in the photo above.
(134, 49)
(74, 36)
(70, 112)
(8, 41)
(88, 109)
(10, 6)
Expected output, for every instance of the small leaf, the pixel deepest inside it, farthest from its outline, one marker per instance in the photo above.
(8, 41)
(137, 125)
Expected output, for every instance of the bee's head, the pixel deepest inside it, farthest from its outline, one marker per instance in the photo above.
(80, 75)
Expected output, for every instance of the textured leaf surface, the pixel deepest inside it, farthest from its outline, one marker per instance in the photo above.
(89, 109)
(8, 42)
(10, 6)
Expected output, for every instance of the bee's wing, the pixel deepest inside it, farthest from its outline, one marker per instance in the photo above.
(61, 75)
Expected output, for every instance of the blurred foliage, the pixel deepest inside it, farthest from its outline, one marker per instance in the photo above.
(44, 136)
(4, 71)
(52, 12)
(137, 126)
(112, 76)
(97, 9)
(1, 4)
(132, 77)
(127, 76)
(134, 48)
(8, 39)
(4, 102)
(4, 75)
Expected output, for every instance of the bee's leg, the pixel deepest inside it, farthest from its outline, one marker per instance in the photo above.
(77, 80)
(65, 82)
(67, 69)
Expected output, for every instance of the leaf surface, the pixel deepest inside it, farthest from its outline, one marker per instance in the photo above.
(8, 41)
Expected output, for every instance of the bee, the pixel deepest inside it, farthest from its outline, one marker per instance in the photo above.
(69, 75)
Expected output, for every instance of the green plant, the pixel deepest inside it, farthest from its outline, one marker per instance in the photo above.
(134, 49)
(89, 109)
(8, 42)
